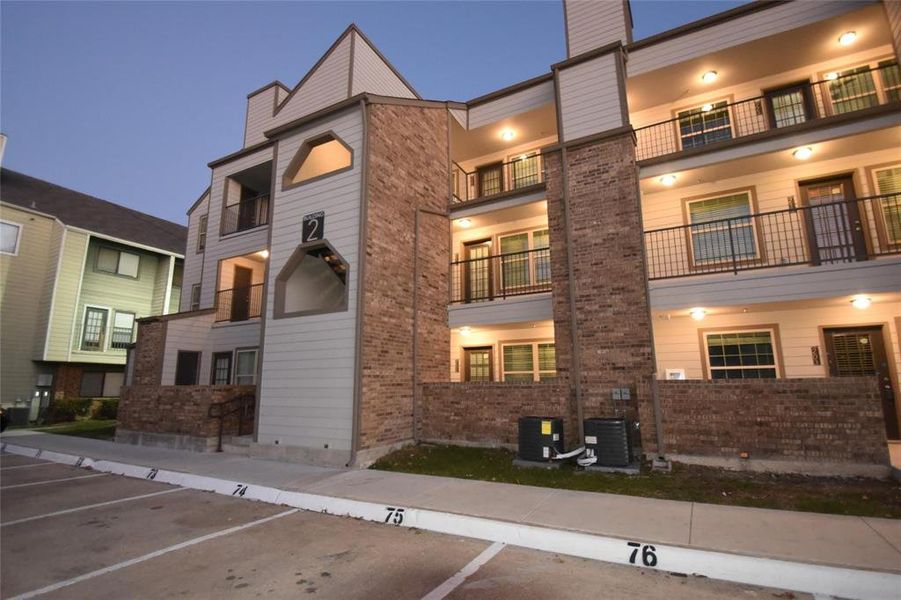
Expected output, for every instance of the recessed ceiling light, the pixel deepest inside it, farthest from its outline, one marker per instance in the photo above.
(861, 302)
(709, 77)
(803, 153)
(464, 223)
(264, 253)
(465, 331)
(830, 76)
(668, 180)
(847, 38)
(508, 134)
(697, 313)
(707, 107)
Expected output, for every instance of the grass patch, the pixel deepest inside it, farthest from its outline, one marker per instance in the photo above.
(833, 495)
(104, 429)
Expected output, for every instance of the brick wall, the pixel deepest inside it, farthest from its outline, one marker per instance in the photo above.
(67, 382)
(487, 412)
(836, 419)
(407, 168)
(150, 345)
(177, 409)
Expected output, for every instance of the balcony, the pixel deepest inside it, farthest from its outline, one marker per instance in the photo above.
(239, 303)
(501, 276)
(715, 123)
(826, 233)
(525, 174)
(249, 213)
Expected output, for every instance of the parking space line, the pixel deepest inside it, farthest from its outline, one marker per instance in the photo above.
(460, 576)
(90, 506)
(116, 567)
(21, 485)
(41, 464)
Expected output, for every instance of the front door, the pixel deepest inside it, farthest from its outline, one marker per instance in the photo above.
(241, 293)
(477, 271)
(789, 105)
(834, 230)
(857, 351)
(477, 364)
(491, 179)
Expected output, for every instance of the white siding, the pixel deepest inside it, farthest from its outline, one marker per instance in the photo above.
(512, 104)
(188, 334)
(260, 108)
(753, 26)
(590, 97)
(591, 24)
(308, 370)
(372, 75)
(194, 260)
(326, 85)
(225, 337)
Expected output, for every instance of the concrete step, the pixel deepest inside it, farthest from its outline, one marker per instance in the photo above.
(237, 444)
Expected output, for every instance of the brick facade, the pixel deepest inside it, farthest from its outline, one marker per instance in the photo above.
(836, 419)
(149, 350)
(407, 169)
(66, 382)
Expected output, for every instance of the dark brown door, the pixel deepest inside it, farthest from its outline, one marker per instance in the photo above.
(187, 365)
(241, 293)
(477, 271)
(857, 351)
(491, 179)
(789, 105)
(834, 229)
(222, 368)
(478, 364)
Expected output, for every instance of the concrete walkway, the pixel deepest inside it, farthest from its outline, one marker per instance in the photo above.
(841, 541)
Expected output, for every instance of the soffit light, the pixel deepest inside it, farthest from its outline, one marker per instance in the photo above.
(464, 223)
(861, 302)
(264, 253)
(847, 38)
(697, 313)
(508, 134)
(707, 107)
(709, 77)
(668, 180)
(465, 331)
(830, 76)
(803, 153)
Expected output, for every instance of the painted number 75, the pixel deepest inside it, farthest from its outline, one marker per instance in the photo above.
(395, 515)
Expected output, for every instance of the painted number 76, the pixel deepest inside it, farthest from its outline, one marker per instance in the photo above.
(648, 554)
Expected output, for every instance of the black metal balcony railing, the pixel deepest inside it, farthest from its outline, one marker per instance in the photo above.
(719, 121)
(496, 178)
(240, 303)
(501, 276)
(246, 214)
(827, 233)
(121, 337)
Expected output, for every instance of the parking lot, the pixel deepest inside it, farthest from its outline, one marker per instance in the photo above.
(72, 533)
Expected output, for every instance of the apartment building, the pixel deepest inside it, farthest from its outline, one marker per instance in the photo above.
(699, 230)
(76, 272)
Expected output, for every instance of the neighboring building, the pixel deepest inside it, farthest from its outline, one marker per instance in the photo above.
(700, 229)
(76, 272)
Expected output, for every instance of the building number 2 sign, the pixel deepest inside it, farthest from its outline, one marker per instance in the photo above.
(313, 226)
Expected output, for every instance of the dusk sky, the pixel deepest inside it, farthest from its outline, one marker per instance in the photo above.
(129, 101)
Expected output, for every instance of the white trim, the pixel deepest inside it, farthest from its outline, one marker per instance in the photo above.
(168, 295)
(457, 579)
(755, 239)
(106, 334)
(90, 506)
(84, 264)
(727, 331)
(59, 263)
(256, 359)
(21, 485)
(20, 228)
(124, 242)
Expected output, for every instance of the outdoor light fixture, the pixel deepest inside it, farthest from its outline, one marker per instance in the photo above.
(707, 107)
(803, 153)
(667, 180)
(508, 134)
(264, 253)
(861, 302)
(697, 313)
(830, 76)
(709, 77)
(847, 38)
(465, 331)
(464, 223)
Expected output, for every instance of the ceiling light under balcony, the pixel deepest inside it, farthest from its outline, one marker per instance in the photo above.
(667, 180)
(707, 107)
(465, 330)
(803, 153)
(830, 76)
(861, 302)
(709, 76)
(697, 314)
(264, 253)
(508, 134)
(847, 38)
(464, 223)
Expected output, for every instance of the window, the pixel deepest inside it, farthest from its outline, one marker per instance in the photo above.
(195, 297)
(525, 260)
(888, 181)
(491, 179)
(246, 366)
(719, 225)
(93, 335)
(9, 237)
(123, 330)
(525, 170)
(110, 260)
(789, 105)
(201, 233)
(318, 157)
(187, 366)
(698, 127)
(891, 79)
(853, 90)
(741, 355)
(531, 361)
(222, 368)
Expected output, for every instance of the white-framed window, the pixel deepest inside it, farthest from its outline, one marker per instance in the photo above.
(720, 225)
(123, 330)
(9, 237)
(201, 233)
(864, 85)
(705, 124)
(245, 366)
(118, 262)
(888, 181)
(746, 354)
(525, 259)
(528, 361)
(195, 297)
(93, 328)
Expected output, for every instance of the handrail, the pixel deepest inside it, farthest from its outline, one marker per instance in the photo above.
(501, 275)
(241, 403)
(228, 310)
(496, 177)
(246, 214)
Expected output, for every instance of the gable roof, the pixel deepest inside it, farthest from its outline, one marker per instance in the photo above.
(90, 213)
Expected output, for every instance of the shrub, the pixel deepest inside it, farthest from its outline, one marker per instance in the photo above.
(106, 409)
(61, 411)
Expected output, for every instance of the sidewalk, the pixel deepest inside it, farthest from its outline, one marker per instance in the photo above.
(839, 541)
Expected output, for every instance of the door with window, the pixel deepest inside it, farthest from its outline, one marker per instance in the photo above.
(477, 271)
(478, 364)
(525, 262)
(490, 179)
(241, 294)
(789, 105)
(860, 351)
(833, 222)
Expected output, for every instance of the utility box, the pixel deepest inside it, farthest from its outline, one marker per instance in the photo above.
(608, 439)
(540, 438)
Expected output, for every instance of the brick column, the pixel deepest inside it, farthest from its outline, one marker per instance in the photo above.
(149, 350)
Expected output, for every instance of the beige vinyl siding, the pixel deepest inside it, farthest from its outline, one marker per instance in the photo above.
(194, 261)
(174, 300)
(754, 26)
(591, 25)
(327, 85)
(494, 337)
(893, 14)
(161, 279)
(308, 367)
(190, 334)
(505, 107)
(372, 75)
(590, 98)
(55, 247)
(260, 109)
(66, 304)
(225, 337)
